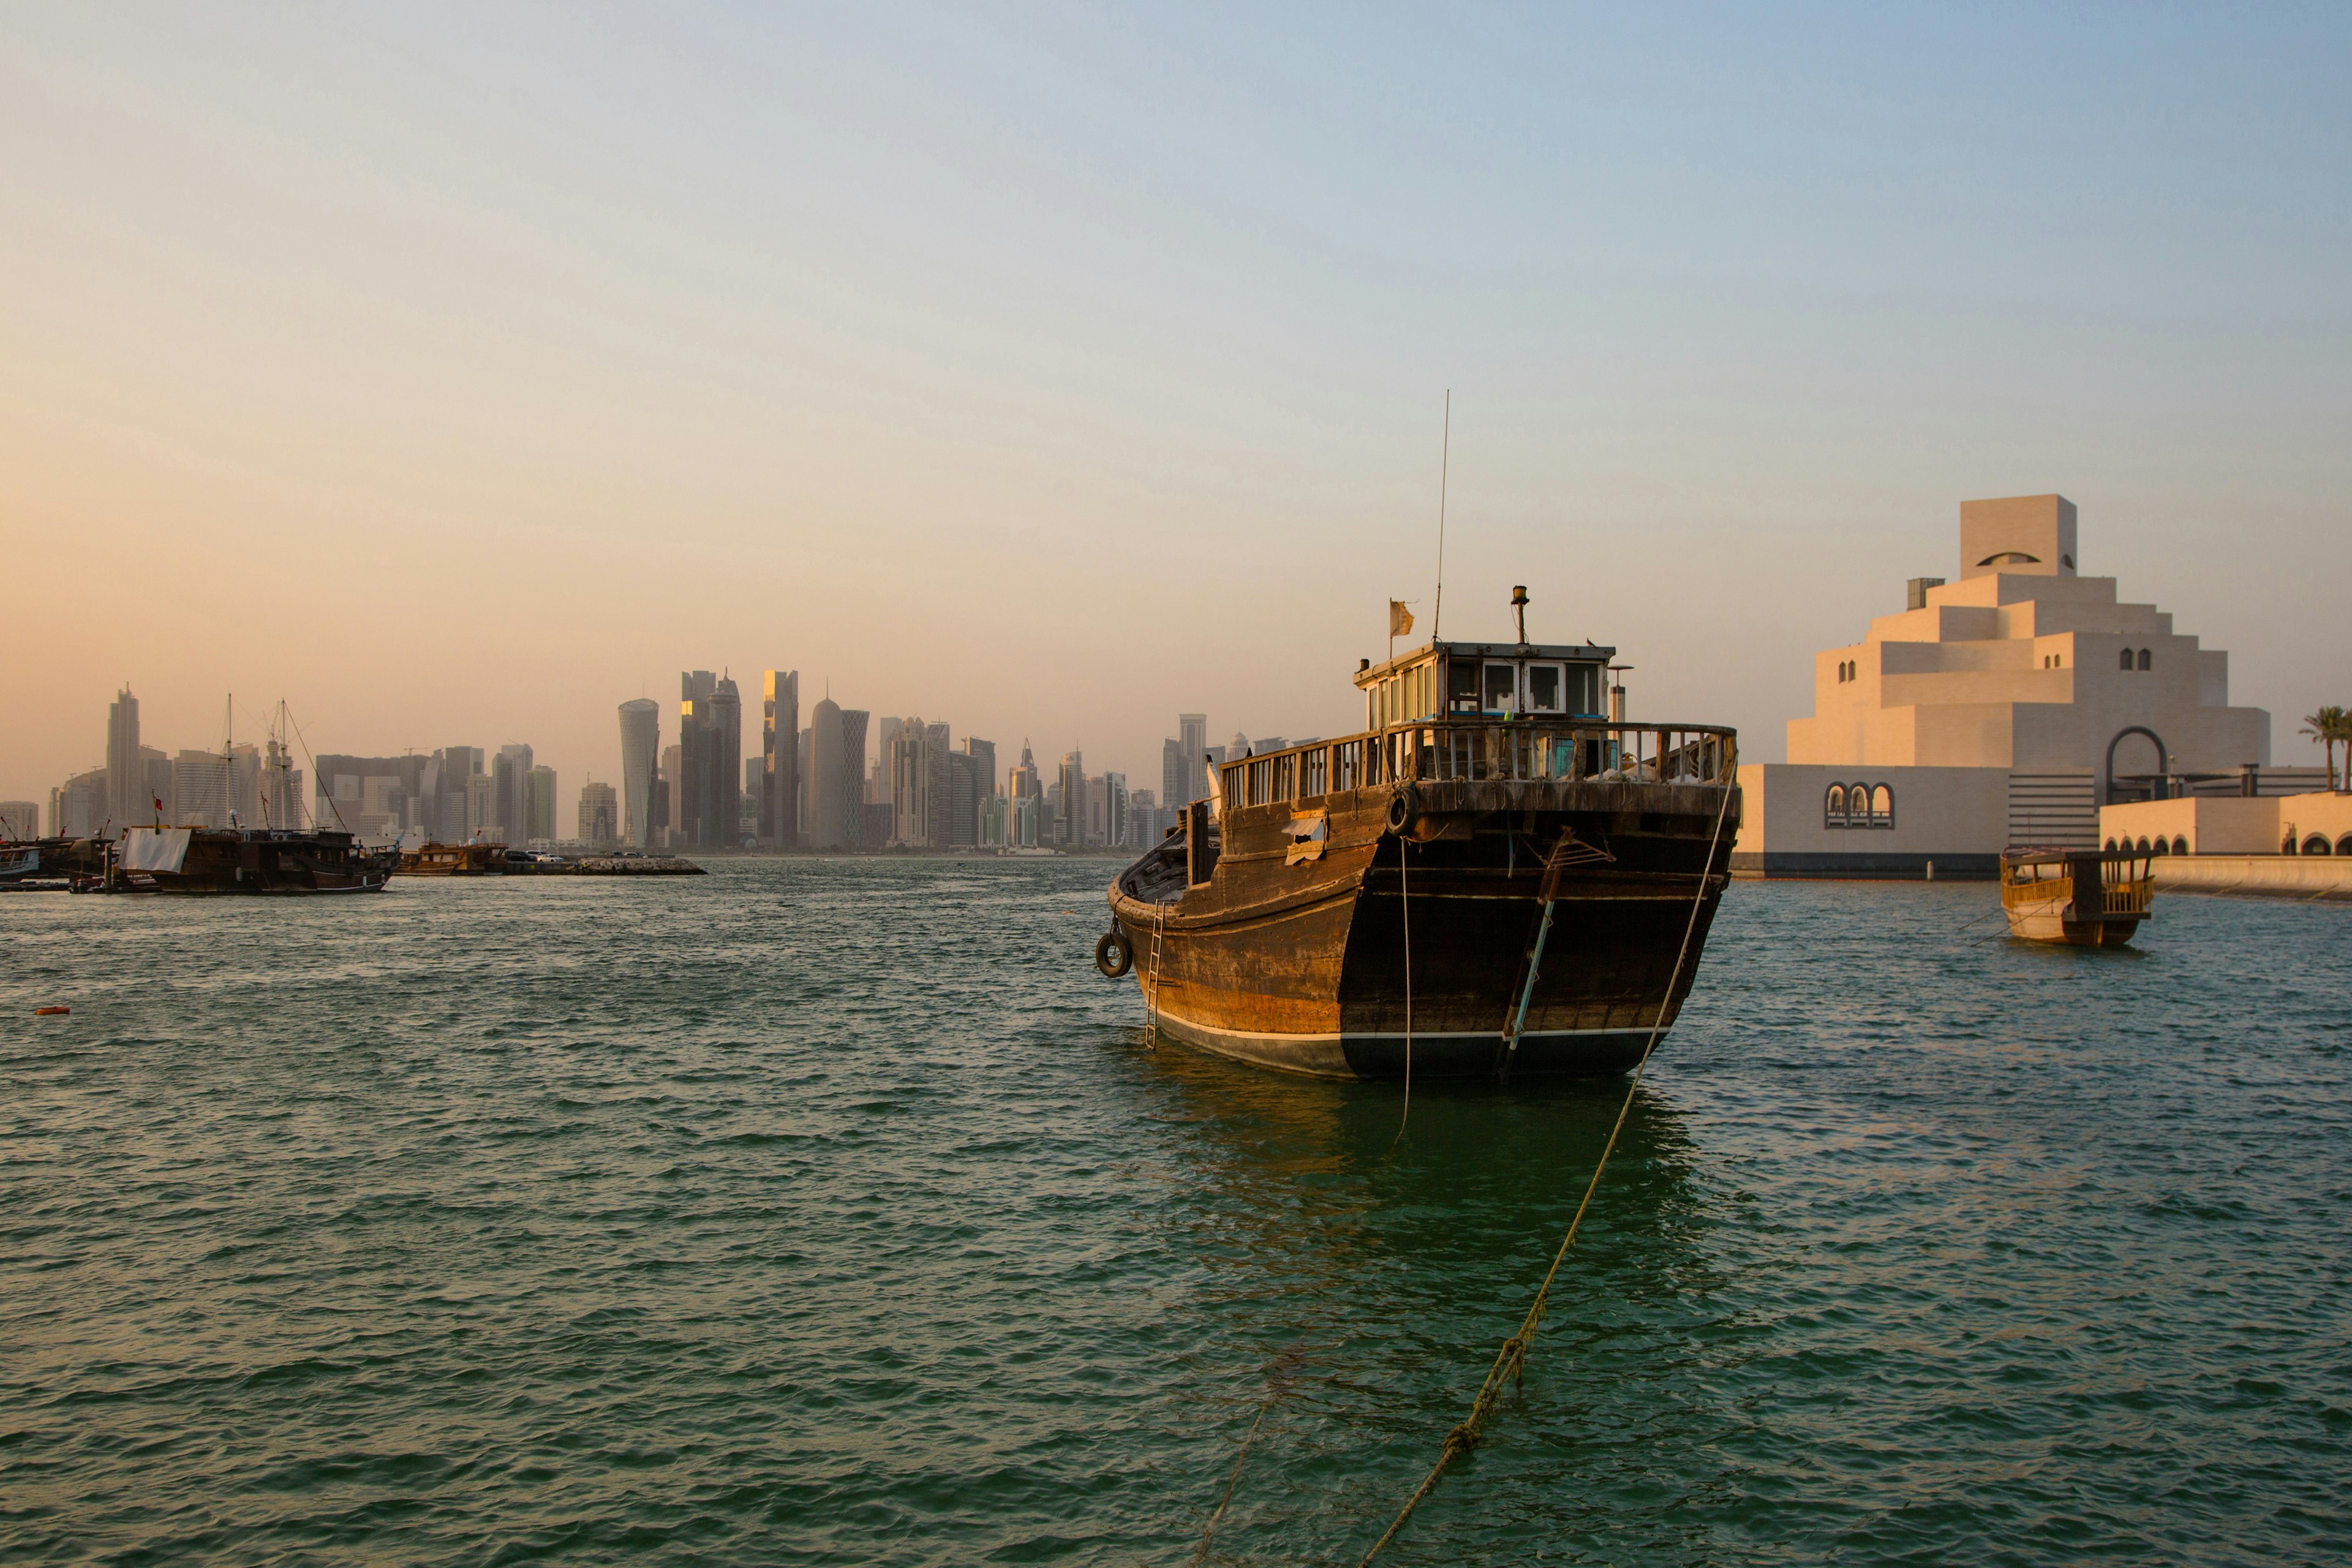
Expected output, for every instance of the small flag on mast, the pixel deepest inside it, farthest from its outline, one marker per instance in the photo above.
(1400, 620)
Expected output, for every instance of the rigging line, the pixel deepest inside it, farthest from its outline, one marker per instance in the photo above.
(314, 771)
(1510, 1363)
(1444, 460)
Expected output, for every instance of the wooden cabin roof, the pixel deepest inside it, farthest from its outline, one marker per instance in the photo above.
(1579, 653)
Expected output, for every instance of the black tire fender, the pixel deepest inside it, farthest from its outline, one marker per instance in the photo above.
(1113, 956)
(1403, 806)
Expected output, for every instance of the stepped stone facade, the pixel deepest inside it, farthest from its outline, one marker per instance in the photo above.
(2005, 707)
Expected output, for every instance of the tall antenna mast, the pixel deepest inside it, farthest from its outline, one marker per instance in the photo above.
(1444, 459)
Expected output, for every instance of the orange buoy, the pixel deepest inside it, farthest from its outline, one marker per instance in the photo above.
(45, 1012)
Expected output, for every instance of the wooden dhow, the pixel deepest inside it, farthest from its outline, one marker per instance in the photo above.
(2081, 898)
(1494, 878)
(216, 861)
(475, 859)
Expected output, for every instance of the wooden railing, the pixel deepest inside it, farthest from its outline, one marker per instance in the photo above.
(1442, 749)
(2129, 897)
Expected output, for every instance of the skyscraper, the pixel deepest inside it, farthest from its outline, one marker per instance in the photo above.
(1192, 741)
(886, 730)
(853, 777)
(805, 796)
(245, 784)
(77, 809)
(722, 821)
(936, 751)
(599, 814)
(511, 792)
(828, 772)
(539, 811)
(126, 772)
(690, 774)
(984, 766)
(481, 805)
(453, 819)
(910, 784)
(1071, 827)
(200, 789)
(1114, 810)
(780, 733)
(1023, 783)
(640, 754)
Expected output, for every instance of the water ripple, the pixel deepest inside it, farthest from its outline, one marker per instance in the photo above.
(833, 1212)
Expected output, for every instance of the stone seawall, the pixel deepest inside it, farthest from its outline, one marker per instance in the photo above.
(2312, 876)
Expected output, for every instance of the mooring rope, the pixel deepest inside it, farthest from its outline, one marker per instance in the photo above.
(1404, 902)
(1280, 1374)
(1510, 1363)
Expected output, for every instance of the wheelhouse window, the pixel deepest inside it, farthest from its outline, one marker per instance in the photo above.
(1544, 689)
(1502, 687)
(1583, 694)
(1461, 687)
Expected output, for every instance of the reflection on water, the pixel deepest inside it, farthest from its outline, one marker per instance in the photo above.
(1378, 1275)
(833, 1213)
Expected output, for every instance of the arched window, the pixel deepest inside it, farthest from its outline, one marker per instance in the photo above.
(2179, 844)
(1834, 807)
(2143, 843)
(2317, 845)
(2111, 846)
(2343, 844)
(2143, 662)
(1881, 806)
(2163, 846)
(2123, 660)
(2011, 558)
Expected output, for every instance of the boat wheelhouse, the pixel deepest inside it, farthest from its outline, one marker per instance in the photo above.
(1493, 876)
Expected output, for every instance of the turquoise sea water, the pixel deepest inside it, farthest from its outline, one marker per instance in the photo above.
(834, 1213)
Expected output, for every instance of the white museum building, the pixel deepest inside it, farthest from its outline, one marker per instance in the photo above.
(2005, 708)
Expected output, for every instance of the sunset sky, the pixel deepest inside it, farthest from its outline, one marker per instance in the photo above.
(455, 375)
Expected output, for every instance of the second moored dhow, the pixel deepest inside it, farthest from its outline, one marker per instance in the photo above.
(1498, 876)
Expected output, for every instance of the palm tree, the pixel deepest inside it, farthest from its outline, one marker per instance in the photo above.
(2329, 725)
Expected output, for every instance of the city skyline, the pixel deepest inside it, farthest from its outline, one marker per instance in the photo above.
(468, 789)
(964, 376)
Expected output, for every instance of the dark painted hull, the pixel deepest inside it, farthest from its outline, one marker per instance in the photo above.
(1301, 965)
(227, 863)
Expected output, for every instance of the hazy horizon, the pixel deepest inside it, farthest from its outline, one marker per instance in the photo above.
(458, 374)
